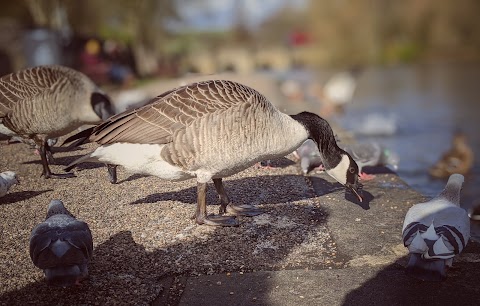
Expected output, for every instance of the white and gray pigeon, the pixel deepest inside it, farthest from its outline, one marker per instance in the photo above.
(7, 180)
(364, 153)
(371, 153)
(62, 246)
(435, 231)
(308, 156)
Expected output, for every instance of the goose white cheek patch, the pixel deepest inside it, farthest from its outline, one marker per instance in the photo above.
(340, 171)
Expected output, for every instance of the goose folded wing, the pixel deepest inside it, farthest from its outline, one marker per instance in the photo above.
(27, 84)
(156, 122)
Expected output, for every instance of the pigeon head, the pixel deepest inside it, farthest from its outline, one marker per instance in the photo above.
(390, 158)
(10, 177)
(56, 207)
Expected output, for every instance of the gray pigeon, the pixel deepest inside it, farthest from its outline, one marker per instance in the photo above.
(371, 154)
(435, 231)
(309, 156)
(62, 246)
(7, 180)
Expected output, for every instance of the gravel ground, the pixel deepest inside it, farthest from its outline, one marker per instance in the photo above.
(143, 231)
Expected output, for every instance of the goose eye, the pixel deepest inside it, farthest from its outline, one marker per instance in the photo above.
(352, 170)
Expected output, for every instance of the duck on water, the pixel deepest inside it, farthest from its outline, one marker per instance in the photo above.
(211, 130)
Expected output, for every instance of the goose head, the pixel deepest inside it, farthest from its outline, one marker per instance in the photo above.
(338, 163)
(102, 106)
(346, 173)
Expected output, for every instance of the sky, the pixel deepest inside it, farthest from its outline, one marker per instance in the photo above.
(220, 14)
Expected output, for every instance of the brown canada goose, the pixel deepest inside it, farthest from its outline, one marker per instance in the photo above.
(211, 130)
(46, 102)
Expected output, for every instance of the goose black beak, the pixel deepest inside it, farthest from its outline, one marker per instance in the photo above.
(355, 189)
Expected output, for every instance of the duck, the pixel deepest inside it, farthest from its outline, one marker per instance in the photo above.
(458, 159)
(210, 130)
(62, 246)
(46, 102)
(435, 232)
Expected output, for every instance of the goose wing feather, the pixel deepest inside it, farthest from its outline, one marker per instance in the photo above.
(156, 122)
(25, 85)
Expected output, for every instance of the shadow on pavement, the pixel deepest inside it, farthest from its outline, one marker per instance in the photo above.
(391, 286)
(14, 197)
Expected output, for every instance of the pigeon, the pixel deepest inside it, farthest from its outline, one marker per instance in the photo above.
(308, 156)
(7, 180)
(364, 154)
(371, 154)
(435, 231)
(62, 246)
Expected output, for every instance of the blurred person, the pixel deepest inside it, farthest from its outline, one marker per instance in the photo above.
(91, 62)
(119, 72)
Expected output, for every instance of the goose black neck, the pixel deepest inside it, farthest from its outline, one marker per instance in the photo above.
(320, 131)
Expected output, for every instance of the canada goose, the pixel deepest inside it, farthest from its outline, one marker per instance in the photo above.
(46, 102)
(62, 246)
(7, 180)
(435, 231)
(211, 130)
(458, 159)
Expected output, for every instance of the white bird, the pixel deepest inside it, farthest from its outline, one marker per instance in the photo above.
(7, 180)
(62, 246)
(435, 231)
(208, 131)
(376, 124)
(45, 102)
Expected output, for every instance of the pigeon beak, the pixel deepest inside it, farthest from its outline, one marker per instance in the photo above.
(355, 191)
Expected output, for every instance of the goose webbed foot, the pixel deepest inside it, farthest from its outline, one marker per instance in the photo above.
(57, 175)
(46, 173)
(217, 220)
(112, 173)
(241, 210)
(201, 216)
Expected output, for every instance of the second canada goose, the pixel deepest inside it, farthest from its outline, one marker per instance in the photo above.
(210, 130)
(46, 102)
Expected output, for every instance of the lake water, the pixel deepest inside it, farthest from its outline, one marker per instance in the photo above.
(429, 102)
